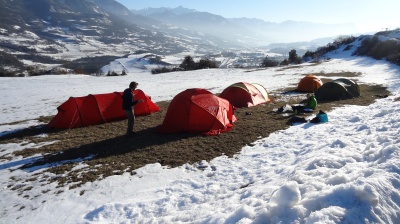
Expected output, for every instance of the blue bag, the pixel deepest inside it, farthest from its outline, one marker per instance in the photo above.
(323, 117)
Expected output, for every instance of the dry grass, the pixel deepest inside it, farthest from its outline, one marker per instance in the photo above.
(106, 150)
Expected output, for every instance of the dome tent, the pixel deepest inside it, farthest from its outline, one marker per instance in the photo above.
(263, 91)
(309, 83)
(95, 109)
(339, 89)
(243, 94)
(198, 111)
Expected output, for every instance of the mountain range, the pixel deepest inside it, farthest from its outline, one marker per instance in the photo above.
(247, 31)
(65, 32)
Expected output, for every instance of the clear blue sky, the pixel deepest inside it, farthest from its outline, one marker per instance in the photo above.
(367, 15)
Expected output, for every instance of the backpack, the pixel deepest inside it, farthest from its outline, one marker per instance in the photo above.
(321, 117)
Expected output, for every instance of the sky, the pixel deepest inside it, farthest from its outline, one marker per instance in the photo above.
(342, 171)
(367, 15)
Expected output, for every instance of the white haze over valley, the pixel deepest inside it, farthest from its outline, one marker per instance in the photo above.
(343, 171)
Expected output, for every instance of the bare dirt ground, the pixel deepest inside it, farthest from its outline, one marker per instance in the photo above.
(106, 150)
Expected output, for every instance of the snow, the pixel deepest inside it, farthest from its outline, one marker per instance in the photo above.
(343, 171)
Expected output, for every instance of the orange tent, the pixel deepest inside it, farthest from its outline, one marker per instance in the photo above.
(198, 111)
(97, 109)
(243, 94)
(310, 83)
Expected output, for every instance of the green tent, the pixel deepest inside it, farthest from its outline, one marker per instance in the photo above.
(339, 89)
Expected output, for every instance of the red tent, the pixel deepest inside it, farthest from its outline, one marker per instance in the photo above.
(97, 109)
(198, 111)
(243, 94)
(310, 83)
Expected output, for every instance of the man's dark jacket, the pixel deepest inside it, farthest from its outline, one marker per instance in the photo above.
(128, 99)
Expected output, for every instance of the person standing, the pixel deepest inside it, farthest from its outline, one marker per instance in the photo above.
(128, 103)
